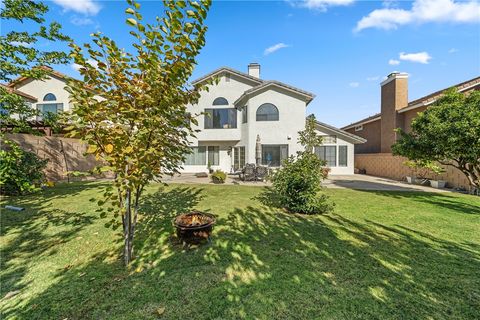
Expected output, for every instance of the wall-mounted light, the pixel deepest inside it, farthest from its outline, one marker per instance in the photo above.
(289, 137)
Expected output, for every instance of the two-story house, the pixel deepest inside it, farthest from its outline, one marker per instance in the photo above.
(244, 119)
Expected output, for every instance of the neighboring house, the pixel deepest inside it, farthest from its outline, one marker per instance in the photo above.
(397, 112)
(50, 93)
(241, 108)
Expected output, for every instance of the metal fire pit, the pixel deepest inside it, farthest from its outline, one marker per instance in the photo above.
(195, 226)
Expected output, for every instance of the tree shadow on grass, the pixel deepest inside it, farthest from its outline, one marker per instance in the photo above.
(266, 264)
(468, 205)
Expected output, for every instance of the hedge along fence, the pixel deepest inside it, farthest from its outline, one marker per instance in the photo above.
(64, 155)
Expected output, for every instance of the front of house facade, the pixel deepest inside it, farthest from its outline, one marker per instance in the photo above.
(241, 119)
(244, 119)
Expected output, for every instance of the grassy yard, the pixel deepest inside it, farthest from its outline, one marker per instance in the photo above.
(380, 255)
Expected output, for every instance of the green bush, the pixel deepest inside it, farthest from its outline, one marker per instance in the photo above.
(20, 171)
(219, 176)
(297, 185)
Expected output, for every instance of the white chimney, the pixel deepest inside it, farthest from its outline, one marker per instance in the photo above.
(254, 70)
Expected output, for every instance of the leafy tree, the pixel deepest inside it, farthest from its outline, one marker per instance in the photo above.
(131, 107)
(447, 132)
(297, 184)
(20, 57)
(309, 137)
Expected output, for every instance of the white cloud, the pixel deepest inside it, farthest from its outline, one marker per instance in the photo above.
(420, 57)
(375, 78)
(91, 62)
(86, 7)
(453, 50)
(354, 84)
(21, 44)
(321, 5)
(393, 62)
(274, 48)
(81, 21)
(422, 11)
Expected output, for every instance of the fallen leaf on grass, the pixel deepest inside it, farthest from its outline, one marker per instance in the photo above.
(11, 294)
(160, 311)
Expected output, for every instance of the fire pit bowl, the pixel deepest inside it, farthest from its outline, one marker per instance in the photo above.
(195, 226)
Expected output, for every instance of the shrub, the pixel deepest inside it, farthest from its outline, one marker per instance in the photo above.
(20, 171)
(219, 176)
(297, 185)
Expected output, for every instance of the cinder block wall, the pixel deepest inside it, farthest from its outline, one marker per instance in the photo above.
(389, 166)
(51, 148)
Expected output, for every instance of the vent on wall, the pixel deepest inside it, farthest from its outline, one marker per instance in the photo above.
(359, 128)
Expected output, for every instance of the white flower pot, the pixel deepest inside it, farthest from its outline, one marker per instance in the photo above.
(439, 184)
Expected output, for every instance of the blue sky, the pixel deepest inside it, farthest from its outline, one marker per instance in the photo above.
(338, 49)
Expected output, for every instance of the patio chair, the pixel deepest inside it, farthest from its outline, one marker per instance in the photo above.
(249, 172)
(261, 173)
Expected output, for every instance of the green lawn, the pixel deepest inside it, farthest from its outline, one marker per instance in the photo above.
(380, 255)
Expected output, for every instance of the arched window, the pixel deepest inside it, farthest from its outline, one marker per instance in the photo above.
(267, 112)
(220, 102)
(49, 97)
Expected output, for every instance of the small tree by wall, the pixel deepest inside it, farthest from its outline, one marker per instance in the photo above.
(447, 132)
(297, 184)
(140, 126)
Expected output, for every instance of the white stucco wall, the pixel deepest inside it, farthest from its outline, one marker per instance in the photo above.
(39, 88)
(230, 90)
(284, 131)
(337, 170)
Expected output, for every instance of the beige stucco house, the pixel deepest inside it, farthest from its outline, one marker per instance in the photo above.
(241, 108)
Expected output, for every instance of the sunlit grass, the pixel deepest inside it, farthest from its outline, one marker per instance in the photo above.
(380, 255)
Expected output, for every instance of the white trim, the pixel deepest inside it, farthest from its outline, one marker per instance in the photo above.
(393, 76)
(362, 123)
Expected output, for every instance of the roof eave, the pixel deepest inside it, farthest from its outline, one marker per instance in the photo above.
(349, 136)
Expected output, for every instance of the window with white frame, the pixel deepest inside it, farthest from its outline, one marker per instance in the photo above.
(213, 155)
(267, 112)
(329, 139)
(342, 156)
(203, 155)
(221, 118)
(328, 154)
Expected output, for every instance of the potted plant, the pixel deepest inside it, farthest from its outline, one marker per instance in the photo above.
(209, 166)
(420, 170)
(436, 183)
(219, 176)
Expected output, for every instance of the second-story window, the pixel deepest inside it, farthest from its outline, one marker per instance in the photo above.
(220, 101)
(49, 97)
(221, 118)
(267, 112)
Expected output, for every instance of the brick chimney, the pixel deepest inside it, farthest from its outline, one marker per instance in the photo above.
(254, 70)
(394, 97)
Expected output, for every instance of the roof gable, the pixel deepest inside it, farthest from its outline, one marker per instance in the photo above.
(268, 85)
(51, 73)
(347, 136)
(224, 70)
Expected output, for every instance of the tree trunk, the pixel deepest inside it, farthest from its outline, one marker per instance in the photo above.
(127, 228)
(129, 222)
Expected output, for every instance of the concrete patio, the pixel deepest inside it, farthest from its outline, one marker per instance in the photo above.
(357, 181)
